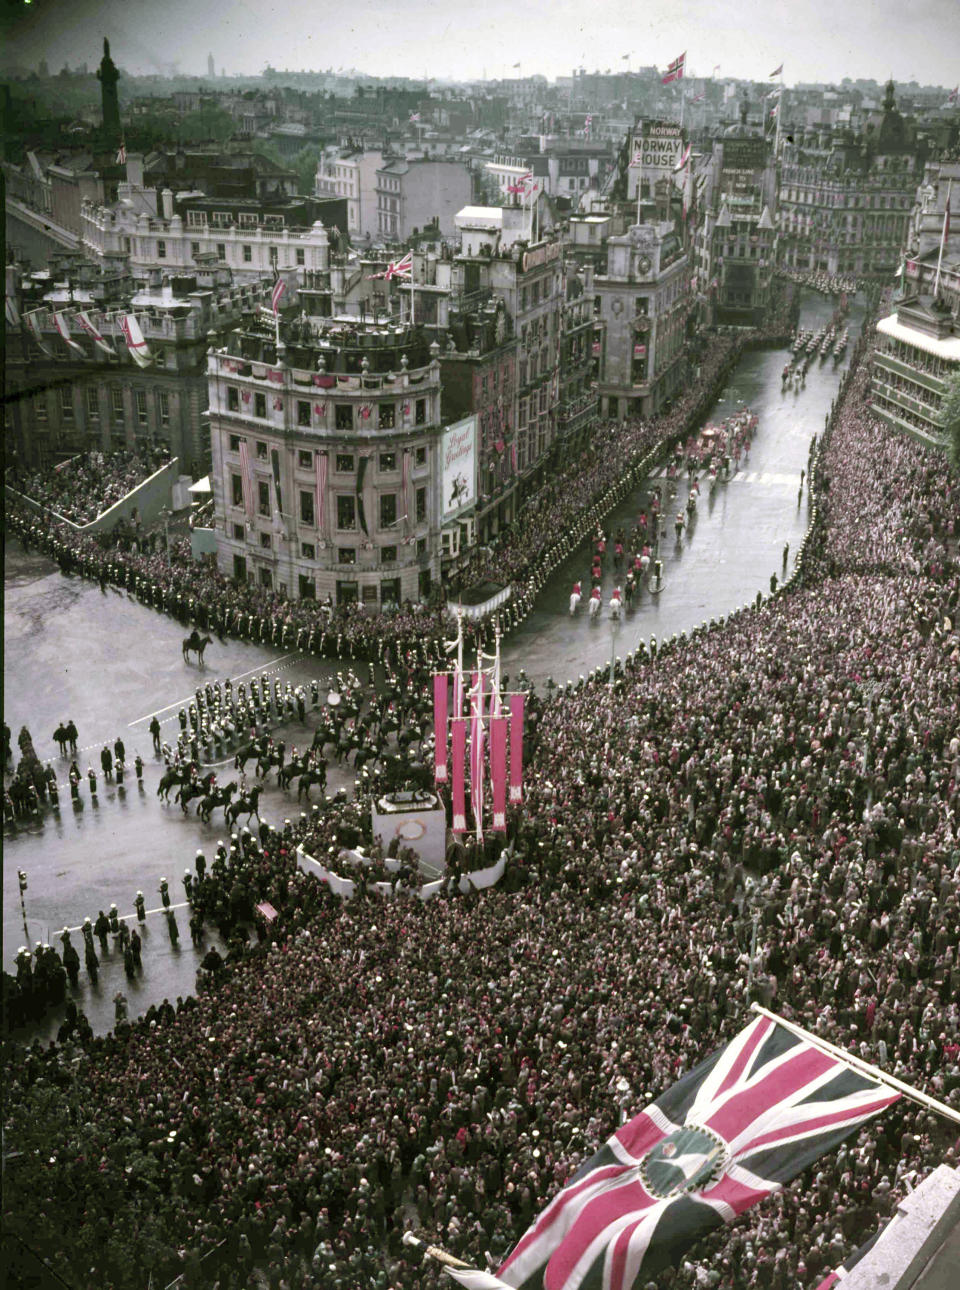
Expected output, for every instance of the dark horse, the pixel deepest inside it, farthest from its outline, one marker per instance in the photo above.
(246, 804)
(196, 643)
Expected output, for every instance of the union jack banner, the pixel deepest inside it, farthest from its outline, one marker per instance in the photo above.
(675, 69)
(520, 186)
(396, 269)
(728, 1134)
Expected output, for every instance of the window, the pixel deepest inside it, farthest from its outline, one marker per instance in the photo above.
(161, 249)
(259, 404)
(306, 508)
(346, 555)
(66, 403)
(308, 590)
(247, 253)
(93, 403)
(236, 492)
(266, 542)
(344, 417)
(221, 219)
(221, 250)
(249, 219)
(233, 405)
(346, 511)
(388, 462)
(308, 551)
(116, 403)
(194, 249)
(387, 414)
(163, 407)
(390, 591)
(388, 555)
(420, 457)
(141, 407)
(421, 505)
(196, 219)
(420, 416)
(388, 510)
(234, 443)
(421, 547)
(274, 256)
(300, 255)
(263, 497)
(160, 358)
(303, 412)
(238, 532)
(266, 578)
(345, 464)
(240, 568)
(305, 459)
(261, 451)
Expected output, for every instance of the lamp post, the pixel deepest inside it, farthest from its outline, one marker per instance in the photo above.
(614, 632)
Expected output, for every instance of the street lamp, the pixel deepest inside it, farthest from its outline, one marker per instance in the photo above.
(22, 880)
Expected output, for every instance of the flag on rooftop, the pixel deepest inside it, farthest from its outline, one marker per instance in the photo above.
(675, 69)
(954, 93)
(279, 287)
(777, 71)
(414, 116)
(728, 1134)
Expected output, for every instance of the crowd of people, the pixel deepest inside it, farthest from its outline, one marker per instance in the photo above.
(88, 484)
(551, 522)
(368, 1067)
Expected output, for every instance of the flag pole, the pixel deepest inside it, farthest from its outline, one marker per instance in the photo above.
(776, 142)
(472, 1277)
(943, 238)
(862, 1067)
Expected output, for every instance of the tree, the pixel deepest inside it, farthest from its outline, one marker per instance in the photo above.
(950, 419)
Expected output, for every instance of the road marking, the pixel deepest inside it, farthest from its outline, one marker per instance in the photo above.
(181, 703)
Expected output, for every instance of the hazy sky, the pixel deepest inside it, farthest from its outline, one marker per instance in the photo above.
(815, 39)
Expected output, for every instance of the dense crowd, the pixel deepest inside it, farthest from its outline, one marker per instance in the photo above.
(88, 484)
(370, 1067)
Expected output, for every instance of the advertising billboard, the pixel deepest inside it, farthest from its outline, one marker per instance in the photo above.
(459, 475)
(658, 145)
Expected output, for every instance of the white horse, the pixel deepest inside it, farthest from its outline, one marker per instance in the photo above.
(594, 606)
(615, 606)
(574, 602)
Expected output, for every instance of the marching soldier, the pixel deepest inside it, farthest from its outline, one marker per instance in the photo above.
(165, 893)
(140, 906)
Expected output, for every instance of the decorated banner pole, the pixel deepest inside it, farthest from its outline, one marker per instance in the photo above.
(861, 1067)
(472, 1278)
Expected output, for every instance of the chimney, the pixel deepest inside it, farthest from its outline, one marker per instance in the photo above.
(166, 203)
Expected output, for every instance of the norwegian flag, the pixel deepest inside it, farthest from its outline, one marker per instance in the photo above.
(726, 1135)
(279, 287)
(675, 69)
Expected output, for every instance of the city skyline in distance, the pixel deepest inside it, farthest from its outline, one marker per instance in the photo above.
(820, 40)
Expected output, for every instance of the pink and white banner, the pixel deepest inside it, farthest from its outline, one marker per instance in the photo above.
(321, 491)
(440, 697)
(476, 746)
(498, 772)
(459, 757)
(86, 322)
(516, 747)
(457, 692)
(60, 322)
(246, 480)
(33, 327)
(405, 485)
(139, 350)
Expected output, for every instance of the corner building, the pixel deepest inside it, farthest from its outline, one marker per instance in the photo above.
(326, 462)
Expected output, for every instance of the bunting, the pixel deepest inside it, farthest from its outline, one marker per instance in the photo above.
(85, 321)
(34, 329)
(440, 699)
(137, 346)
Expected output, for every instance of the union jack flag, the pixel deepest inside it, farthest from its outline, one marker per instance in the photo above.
(728, 1134)
(675, 69)
(520, 185)
(396, 269)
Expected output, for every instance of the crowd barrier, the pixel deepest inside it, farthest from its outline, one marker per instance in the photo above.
(480, 879)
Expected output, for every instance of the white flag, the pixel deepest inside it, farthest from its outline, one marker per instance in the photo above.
(475, 1280)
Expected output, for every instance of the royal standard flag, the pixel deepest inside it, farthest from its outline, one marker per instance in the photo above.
(728, 1134)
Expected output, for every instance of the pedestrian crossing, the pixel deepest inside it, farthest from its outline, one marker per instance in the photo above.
(768, 478)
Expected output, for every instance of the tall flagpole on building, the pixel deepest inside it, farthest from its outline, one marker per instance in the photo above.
(776, 142)
(862, 1067)
(943, 237)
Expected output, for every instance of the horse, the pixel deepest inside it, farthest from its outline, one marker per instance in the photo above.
(245, 753)
(294, 767)
(197, 644)
(170, 779)
(574, 602)
(594, 606)
(246, 804)
(187, 792)
(307, 780)
(219, 797)
(616, 605)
